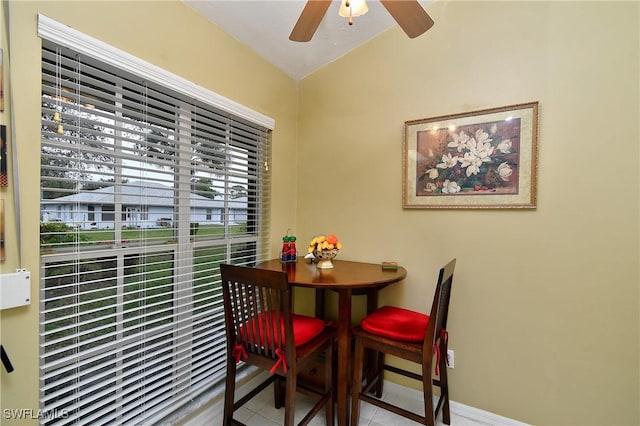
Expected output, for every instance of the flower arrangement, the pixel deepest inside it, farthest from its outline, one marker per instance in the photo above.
(472, 159)
(322, 242)
(323, 249)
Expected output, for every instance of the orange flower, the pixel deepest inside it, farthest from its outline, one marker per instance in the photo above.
(322, 242)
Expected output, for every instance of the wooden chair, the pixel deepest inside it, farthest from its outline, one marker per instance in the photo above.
(412, 336)
(261, 330)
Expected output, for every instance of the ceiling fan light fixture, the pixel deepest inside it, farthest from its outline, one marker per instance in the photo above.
(352, 8)
(409, 14)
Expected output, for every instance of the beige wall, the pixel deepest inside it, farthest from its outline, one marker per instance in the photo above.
(544, 316)
(167, 34)
(543, 299)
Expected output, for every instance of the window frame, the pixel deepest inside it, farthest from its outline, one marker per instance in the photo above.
(64, 36)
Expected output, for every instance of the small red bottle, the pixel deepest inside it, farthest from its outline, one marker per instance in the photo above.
(293, 252)
(286, 249)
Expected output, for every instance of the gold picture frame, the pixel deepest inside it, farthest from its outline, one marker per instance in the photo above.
(4, 171)
(480, 159)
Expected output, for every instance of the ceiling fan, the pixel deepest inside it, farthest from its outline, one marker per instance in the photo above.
(409, 14)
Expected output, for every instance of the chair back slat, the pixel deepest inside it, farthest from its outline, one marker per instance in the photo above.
(440, 307)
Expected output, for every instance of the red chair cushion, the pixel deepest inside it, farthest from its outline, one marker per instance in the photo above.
(396, 323)
(304, 329)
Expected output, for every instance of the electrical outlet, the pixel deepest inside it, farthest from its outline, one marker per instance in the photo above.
(450, 358)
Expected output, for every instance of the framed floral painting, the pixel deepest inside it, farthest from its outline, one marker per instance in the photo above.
(478, 159)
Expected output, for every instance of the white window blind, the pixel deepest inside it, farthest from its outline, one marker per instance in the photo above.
(145, 191)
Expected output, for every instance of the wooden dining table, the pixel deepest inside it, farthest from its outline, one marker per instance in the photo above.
(347, 278)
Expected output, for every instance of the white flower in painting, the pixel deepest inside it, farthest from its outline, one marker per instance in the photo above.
(505, 146)
(493, 129)
(450, 187)
(430, 187)
(505, 171)
(484, 152)
(481, 149)
(459, 141)
(432, 173)
(471, 162)
(482, 137)
(448, 161)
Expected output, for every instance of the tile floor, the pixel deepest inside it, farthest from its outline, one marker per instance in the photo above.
(261, 412)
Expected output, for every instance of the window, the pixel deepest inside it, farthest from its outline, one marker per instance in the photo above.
(131, 318)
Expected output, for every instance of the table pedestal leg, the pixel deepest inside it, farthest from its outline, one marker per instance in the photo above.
(344, 355)
(320, 303)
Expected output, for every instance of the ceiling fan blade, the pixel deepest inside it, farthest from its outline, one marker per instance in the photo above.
(309, 20)
(410, 15)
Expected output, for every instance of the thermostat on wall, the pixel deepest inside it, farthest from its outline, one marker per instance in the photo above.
(15, 289)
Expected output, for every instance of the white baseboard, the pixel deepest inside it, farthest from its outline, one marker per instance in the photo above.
(482, 416)
(475, 414)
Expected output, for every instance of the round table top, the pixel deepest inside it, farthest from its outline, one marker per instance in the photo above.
(344, 274)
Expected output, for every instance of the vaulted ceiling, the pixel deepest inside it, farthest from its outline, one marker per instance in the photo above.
(265, 25)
